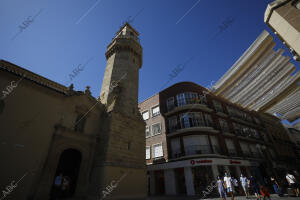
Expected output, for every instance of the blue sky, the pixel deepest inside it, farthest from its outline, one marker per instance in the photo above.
(67, 33)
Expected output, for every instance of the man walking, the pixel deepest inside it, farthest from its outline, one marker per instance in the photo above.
(228, 183)
(244, 183)
(293, 183)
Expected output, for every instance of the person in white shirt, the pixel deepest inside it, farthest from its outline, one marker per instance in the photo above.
(228, 184)
(292, 182)
(244, 183)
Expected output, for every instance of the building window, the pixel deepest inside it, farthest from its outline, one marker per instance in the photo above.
(170, 103)
(180, 99)
(156, 129)
(230, 147)
(80, 122)
(237, 129)
(155, 111)
(190, 97)
(175, 147)
(245, 149)
(208, 120)
(184, 120)
(197, 144)
(186, 98)
(147, 131)
(157, 150)
(196, 119)
(172, 124)
(218, 106)
(148, 155)
(224, 125)
(256, 120)
(145, 115)
(215, 144)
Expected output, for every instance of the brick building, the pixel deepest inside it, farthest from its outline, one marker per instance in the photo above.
(192, 136)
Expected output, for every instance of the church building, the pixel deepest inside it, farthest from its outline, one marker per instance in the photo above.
(48, 129)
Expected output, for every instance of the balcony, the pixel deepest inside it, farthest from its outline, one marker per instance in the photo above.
(201, 106)
(201, 126)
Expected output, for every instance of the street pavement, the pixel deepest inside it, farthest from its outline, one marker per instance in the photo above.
(273, 197)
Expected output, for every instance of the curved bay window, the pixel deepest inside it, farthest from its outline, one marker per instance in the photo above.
(188, 120)
(186, 98)
(197, 144)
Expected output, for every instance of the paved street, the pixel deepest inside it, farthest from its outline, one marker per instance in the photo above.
(273, 197)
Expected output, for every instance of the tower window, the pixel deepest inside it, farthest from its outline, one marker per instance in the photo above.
(131, 33)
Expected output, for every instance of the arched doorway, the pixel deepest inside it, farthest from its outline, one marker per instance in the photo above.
(69, 165)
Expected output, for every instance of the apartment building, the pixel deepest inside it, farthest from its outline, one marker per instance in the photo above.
(192, 136)
(282, 16)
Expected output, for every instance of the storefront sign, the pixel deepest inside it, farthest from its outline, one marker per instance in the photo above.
(234, 162)
(200, 161)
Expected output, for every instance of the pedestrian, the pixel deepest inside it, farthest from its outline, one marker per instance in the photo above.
(254, 186)
(236, 185)
(276, 186)
(57, 186)
(265, 192)
(65, 186)
(221, 188)
(244, 183)
(293, 183)
(228, 183)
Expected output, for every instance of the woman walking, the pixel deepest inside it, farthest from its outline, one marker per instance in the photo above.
(221, 188)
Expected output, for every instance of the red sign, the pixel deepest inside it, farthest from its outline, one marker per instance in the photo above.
(200, 161)
(234, 162)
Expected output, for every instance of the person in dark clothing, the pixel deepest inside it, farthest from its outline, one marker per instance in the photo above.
(57, 192)
(276, 186)
(254, 186)
(265, 192)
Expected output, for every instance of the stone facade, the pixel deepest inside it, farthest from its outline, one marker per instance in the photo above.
(47, 129)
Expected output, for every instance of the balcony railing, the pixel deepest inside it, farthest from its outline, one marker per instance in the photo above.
(191, 125)
(170, 107)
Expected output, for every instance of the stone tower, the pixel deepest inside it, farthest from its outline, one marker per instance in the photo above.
(119, 171)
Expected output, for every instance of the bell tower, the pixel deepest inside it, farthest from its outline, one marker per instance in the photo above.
(121, 78)
(119, 170)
